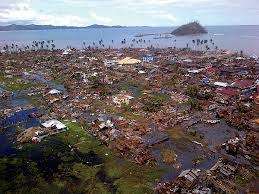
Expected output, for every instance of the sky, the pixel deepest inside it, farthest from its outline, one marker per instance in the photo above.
(129, 12)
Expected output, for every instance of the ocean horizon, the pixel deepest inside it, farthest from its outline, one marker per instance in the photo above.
(235, 38)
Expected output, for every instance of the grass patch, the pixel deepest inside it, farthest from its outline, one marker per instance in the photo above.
(51, 167)
(129, 177)
(155, 102)
(15, 83)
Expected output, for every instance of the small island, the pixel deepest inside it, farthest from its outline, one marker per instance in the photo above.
(192, 28)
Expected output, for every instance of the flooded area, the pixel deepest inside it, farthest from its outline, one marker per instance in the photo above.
(217, 134)
(38, 77)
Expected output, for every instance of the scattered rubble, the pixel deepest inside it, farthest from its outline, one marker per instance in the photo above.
(134, 100)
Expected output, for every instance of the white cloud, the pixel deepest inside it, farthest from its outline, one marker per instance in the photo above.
(100, 19)
(124, 12)
(22, 11)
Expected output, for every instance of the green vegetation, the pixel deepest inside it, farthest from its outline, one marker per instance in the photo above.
(14, 83)
(58, 79)
(244, 177)
(192, 90)
(97, 84)
(194, 104)
(73, 162)
(155, 102)
(241, 180)
(128, 177)
(133, 87)
(127, 107)
(198, 160)
(172, 82)
(184, 138)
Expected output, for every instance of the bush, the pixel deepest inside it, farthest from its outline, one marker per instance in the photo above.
(155, 102)
(192, 91)
(194, 103)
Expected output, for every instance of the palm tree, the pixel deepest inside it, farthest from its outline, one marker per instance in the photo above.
(53, 46)
(37, 45)
(6, 48)
(12, 47)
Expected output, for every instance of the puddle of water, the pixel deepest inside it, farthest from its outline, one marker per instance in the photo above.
(186, 152)
(216, 134)
(7, 136)
(40, 78)
(7, 147)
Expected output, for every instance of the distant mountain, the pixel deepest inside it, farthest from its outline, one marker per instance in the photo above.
(192, 28)
(15, 27)
(103, 26)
